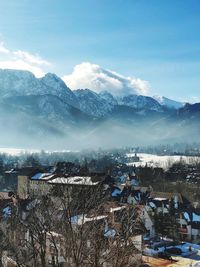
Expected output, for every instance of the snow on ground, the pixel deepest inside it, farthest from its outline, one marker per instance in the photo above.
(190, 256)
(159, 161)
(19, 151)
(13, 151)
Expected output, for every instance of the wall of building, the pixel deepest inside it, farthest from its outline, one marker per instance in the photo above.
(22, 186)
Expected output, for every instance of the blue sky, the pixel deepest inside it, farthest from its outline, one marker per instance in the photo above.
(154, 40)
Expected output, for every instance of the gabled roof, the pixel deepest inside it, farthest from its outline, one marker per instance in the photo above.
(28, 171)
(4, 195)
(42, 176)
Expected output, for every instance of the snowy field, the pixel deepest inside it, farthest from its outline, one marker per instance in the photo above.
(160, 161)
(19, 151)
(15, 151)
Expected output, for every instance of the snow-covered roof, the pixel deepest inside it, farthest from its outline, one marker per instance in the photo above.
(82, 219)
(109, 232)
(195, 217)
(152, 205)
(54, 234)
(42, 176)
(135, 182)
(116, 192)
(11, 171)
(123, 178)
(6, 212)
(79, 180)
(37, 176)
(117, 208)
(160, 198)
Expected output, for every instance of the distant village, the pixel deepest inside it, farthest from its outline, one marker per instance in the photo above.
(98, 212)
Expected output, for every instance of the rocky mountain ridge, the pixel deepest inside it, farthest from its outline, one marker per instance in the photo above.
(34, 108)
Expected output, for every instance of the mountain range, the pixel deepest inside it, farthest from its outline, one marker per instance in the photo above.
(43, 112)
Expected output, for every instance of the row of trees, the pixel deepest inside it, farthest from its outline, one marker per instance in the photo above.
(70, 227)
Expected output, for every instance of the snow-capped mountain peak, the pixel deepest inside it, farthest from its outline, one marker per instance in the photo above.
(140, 102)
(92, 103)
(15, 83)
(108, 97)
(58, 87)
(169, 103)
(18, 83)
(36, 108)
(24, 83)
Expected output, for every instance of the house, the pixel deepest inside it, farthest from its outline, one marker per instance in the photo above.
(23, 180)
(106, 224)
(10, 179)
(54, 248)
(189, 225)
(116, 225)
(34, 182)
(162, 201)
(147, 220)
(133, 158)
(176, 197)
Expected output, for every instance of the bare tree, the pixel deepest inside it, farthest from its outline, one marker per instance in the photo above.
(74, 225)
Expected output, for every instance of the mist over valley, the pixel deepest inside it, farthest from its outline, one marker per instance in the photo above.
(45, 113)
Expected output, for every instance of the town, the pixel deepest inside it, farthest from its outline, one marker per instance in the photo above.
(99, 133)
(104, 210)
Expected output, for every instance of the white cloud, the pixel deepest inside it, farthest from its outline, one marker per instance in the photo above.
(191, 99)
(92, 76)
(22, 65)
(33, 59)
(22, 60)
(3, 49)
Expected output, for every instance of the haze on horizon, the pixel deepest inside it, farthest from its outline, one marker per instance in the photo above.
(152, 46)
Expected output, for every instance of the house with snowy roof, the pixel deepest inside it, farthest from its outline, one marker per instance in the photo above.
(23, 180)
(189, 225)
(161, 201)
(110, 224)
(34, 182)
(147, 220)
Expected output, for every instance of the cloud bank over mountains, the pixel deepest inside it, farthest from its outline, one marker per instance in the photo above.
(22, 60)
(84, 75)
(92, 76)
